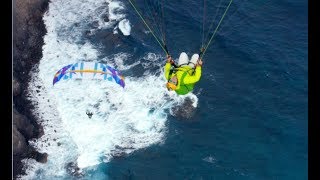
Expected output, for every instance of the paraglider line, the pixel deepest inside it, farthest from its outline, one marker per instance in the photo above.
(147, 26)
(216, 29)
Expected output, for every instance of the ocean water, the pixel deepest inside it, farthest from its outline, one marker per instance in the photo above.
(249, 115)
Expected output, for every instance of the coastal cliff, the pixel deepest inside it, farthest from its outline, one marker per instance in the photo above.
(28, 32)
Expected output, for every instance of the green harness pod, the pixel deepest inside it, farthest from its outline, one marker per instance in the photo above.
(184, 88)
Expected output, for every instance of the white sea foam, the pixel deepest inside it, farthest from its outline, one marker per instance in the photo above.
(119, 61)
(124, 119)
(115, 14)
(115, 8)
(117, 19)
(125, 27)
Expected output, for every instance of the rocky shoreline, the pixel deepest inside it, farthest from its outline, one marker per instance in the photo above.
(28, 32)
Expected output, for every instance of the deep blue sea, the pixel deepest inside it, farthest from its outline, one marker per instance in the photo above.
(252, 117)
(252, 114)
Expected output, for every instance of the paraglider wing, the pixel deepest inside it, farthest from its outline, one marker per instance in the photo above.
(61, 73)
(89, 70)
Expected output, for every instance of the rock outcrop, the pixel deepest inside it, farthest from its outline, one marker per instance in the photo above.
(185, 111)
(19, 143)
(28, 32)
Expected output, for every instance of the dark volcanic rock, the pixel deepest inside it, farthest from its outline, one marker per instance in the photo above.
(28, 32)
(184, 111)
(23, 124)
(41, 157)
(16, 89)
(73, 169)
(18, 142)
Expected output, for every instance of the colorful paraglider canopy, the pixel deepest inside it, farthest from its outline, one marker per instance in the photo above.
(89, 70)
